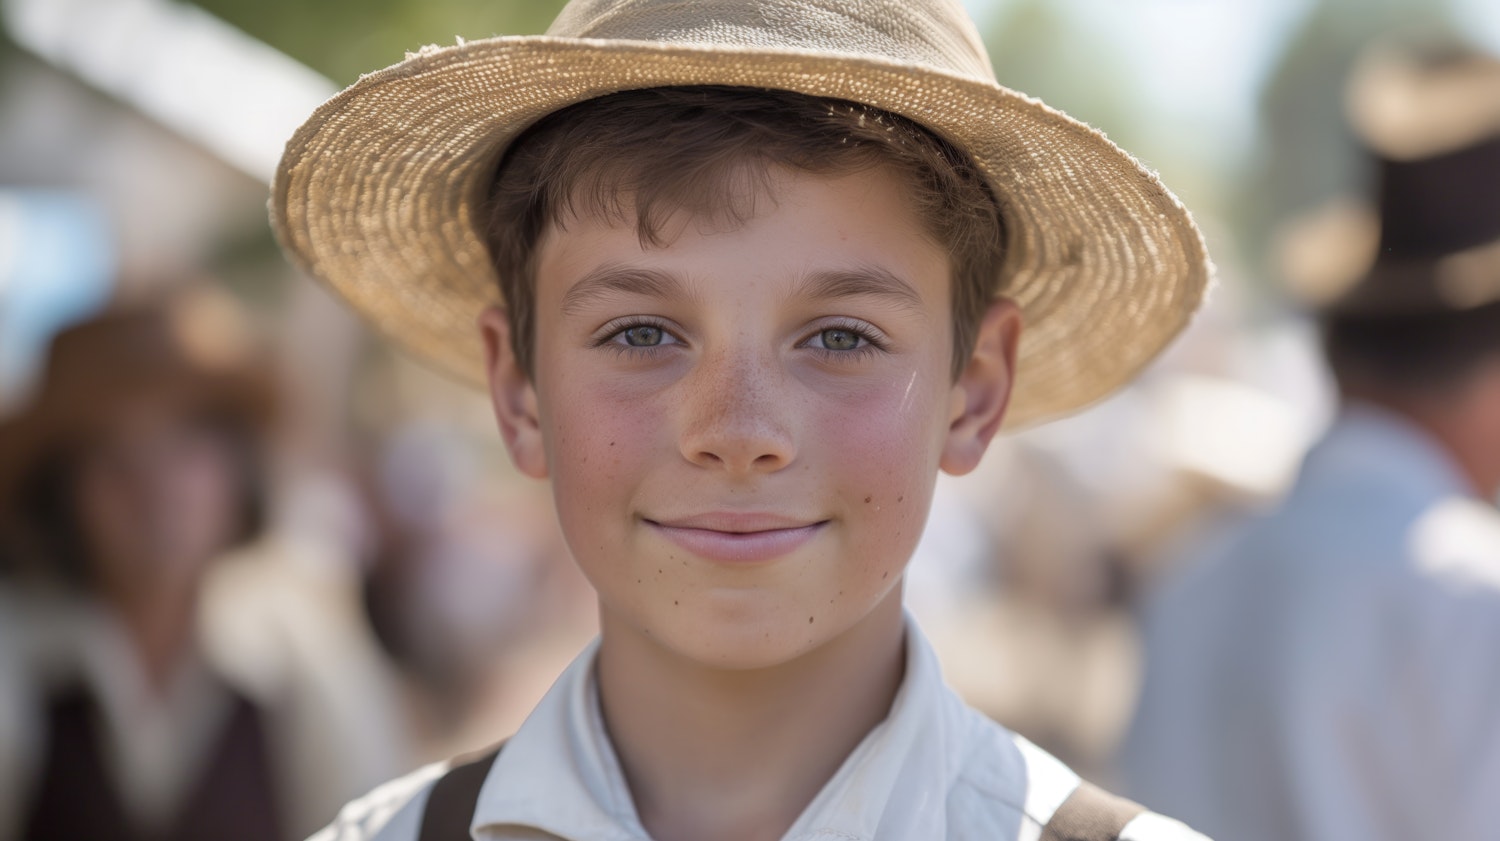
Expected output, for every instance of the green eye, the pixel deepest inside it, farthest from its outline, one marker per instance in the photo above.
(643, 335)
(839, 339)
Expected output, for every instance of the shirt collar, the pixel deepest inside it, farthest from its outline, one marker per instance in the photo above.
(559, 773)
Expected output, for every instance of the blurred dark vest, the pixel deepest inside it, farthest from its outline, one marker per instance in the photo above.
(232, 799)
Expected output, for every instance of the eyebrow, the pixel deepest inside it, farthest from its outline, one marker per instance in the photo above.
(862, 282)
(614, 279)
(832, 284)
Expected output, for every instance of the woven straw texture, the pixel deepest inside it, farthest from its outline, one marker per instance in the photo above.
(379, 192)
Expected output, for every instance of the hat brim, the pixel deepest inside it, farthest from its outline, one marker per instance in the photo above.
(380, 193)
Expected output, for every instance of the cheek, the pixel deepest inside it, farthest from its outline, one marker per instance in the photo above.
(104, 509)
(884, 445)
(599, 439)
(894, 425)
(208, 483)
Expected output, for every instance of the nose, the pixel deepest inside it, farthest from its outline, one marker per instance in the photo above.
(737, 417)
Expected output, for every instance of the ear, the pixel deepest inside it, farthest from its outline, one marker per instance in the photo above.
(512, 395)
(983, 389)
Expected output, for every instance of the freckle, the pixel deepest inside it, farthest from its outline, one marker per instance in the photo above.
(809, 620)
(900, 498)
(611, 443)
(885, 575)
(674, 601)
(867, 500)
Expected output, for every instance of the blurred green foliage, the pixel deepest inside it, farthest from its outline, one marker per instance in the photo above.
(1038, 48)
(344, 38)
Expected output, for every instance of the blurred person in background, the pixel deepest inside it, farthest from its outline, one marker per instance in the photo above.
(140, 463)
(470, 589)
(1329, 672)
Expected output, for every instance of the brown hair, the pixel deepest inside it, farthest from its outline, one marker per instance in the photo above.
(1413, 353)
(648, 153)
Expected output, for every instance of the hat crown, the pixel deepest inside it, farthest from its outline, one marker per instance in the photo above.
(934, 33)
(198, 334)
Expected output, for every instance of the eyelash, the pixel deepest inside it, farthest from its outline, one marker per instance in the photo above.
(607, 337)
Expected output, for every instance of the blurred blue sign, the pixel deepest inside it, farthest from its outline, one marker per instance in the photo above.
(57, 266)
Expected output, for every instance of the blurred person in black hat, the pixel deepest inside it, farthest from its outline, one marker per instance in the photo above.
(139, 465)
(1329, 672)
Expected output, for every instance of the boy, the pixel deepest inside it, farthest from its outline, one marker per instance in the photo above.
(750, 259)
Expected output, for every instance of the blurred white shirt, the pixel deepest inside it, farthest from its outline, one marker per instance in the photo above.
(289, 641)
(1331, 672)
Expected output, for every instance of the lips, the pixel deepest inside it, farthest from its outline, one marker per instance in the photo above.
(737, 537)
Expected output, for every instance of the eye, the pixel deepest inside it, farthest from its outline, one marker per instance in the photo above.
(643, 335)
(635, 334)
(846, 340)
(840, 338)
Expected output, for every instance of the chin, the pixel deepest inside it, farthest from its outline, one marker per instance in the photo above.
(741, 639)
(742, 652)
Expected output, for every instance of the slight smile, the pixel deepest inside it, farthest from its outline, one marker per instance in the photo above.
(737, 537)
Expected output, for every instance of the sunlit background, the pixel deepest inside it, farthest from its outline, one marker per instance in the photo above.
(137, 138)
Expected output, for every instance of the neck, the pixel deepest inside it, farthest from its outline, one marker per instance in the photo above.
(739, 754)
(160, 627)
(1463, 426)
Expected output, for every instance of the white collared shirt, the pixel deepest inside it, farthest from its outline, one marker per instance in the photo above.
(1330, 673)
(934, 769)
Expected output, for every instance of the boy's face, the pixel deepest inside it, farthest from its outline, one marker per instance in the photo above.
(743, 427)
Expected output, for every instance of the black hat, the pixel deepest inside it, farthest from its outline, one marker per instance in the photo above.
(1430, 120)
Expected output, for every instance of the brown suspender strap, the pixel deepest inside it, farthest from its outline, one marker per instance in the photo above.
(450, 805)
(1090, 814)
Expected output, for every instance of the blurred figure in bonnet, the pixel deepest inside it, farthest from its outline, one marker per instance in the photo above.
(1330, 672)
(136, 466)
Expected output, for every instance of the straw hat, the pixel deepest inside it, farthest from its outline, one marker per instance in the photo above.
(1430, 241)
(379, 193)
(194, 348)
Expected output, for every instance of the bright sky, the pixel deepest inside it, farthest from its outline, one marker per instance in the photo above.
(1203, 61)
(1481, 19)
(1197, 60)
